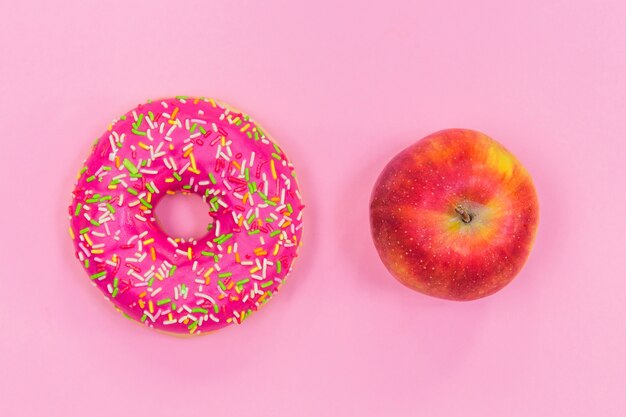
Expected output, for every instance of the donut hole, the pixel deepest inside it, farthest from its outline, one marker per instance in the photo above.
(183, 215)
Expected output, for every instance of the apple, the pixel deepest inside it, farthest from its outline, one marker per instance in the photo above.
(454, 215)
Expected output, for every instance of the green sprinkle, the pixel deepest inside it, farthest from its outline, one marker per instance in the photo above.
(221, 284)
(173, 306)
(267, 284)
(205, 253)
(150, 282)
(138, 122)
(86, 263)
(130, 166)
(106, 198)
(93, 177)
(114, 293)
(200, 310)
(242, 282)
(145, 203)
(279, 266)
(172, 270)
(149, 187)
(111, 208)
(202, 130)
(193, 326)
(254, 232)
(251, 218)
(183, 288)
(123, 117)
(276, 156)
(269, 219)
(115, 181)
(106, 168)
(79, 206)
(98, 274)
(132, 191)
(251, 187)
(83, 231)
(274, 233)
(163, 301)
(212, 178)
(193, 127)
(151, 115)
(289, 208)
(175, 174)
(247, 174)
(181, 97)
(216, 308)
(116, 281)
(91, 200)
(118, 144)
(187, 187)
(263, 196)
(223, 238)
(82, 170)
(277, 148)
(225, 274)
(144, 317)
(270, 203)
(138, 132)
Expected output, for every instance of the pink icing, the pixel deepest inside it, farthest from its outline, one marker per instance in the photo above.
(186, 145)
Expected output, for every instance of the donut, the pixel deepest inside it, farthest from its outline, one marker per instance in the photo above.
(186, 145)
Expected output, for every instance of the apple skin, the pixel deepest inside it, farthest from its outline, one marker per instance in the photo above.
(454, 215)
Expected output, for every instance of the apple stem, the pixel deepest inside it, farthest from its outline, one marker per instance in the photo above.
(465, 216)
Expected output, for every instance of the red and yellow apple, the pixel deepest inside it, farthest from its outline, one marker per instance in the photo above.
(454, 215)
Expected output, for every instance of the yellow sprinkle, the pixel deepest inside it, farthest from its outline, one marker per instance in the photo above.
(276, 247)
(240, 222)
(88, 239)
(255, 269)
(72, 235)
(110, 127)
(261, 298)
(273, 167)
(169, 317)
(171, 146)
(212, 102)
(169, 180)
(189, 254)
(223, 140)
(144, 146)
(159, 276)
(192, 159)
(97, 251)
(112, 187)
(151, 307)
(246, 126)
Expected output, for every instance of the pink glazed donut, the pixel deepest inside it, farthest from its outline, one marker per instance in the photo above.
(187, 145)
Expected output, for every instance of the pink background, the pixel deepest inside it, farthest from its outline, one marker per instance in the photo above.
(343, 87)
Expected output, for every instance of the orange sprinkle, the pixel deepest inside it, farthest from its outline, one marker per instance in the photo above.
(230, 286)
(170, 192)
(286, 224)
(186, 321)
(196, 101)
(117, 161)
(273, 167)
(245, 198)
(276, 247)
(174, 113)
(143, 294)
(152, 253)
(72, 235)
(236, 164)
(188, 152)
(142, 304)
(237, 258)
